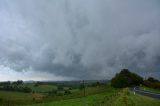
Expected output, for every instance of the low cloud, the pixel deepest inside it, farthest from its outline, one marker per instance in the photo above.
(80, 39)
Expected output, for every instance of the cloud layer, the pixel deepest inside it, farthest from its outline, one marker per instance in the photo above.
(80, 39)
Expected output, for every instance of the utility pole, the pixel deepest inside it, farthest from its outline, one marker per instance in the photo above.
(84, 89)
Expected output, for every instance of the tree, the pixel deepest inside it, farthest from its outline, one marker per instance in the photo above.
(151, 79)
(125, 79)
(19, 82)
(67, 92)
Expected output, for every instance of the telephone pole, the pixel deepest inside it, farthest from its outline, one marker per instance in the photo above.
(84, 91)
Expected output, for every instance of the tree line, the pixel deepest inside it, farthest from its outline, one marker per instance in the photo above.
(15, 86)
(127, 79)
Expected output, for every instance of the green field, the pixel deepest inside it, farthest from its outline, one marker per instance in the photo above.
(8, 97)
(108, 98)
(94, 96)
(150, 89)
(41, 88)
(102, 95)
(127, 98)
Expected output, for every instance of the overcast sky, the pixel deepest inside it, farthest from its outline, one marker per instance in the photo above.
(78, 39)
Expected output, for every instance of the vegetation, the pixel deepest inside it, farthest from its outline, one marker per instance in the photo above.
(125, 79)
(151, 79)
(94, 97)
(127, 98)
(97, 93)
(149, 89)
(152, 83)
(111, 97)
(13, 87)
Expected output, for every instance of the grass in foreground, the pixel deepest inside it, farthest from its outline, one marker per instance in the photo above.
(8, 97)
(111, 98)
(127, 98)
(95, 96)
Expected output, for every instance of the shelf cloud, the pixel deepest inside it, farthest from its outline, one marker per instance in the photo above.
(80, 39)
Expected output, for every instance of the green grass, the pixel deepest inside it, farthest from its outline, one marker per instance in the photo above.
(7, 97)
(41, 88)
(18, 97)
(94, 95)
(150, 89)
(110, 97)
(127, 98)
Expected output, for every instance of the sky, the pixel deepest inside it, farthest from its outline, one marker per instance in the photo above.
(78, 39)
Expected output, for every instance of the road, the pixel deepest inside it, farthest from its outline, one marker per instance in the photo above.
(145, 93)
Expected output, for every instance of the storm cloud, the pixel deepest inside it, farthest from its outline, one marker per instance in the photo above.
(80, 39)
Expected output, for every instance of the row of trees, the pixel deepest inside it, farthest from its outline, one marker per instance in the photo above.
(18, 82)
(126, 79)
(16, 88)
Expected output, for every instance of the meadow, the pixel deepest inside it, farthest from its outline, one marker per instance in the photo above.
(95, 95)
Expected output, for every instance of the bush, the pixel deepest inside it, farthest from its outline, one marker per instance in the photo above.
(67, 92)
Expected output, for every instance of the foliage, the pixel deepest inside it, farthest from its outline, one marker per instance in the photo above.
(67, 92)
(19, 82)
(152, 84)
(125, 79)
(151, 79)
(16, 88)
(5, 83)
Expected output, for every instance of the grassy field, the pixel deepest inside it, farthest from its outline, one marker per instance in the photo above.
(94, 96)
(103, 95)
(40, 88)
(7, 97)
(127, 98)
(150, 89)
(109, 98)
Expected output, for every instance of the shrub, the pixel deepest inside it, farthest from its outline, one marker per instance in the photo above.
(67, 92)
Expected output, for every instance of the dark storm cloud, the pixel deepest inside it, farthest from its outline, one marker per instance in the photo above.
(87, 39)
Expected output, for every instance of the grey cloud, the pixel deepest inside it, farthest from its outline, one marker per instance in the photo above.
(81, 39)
